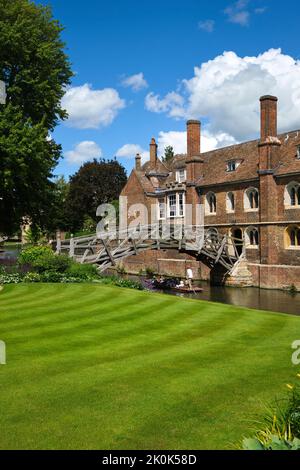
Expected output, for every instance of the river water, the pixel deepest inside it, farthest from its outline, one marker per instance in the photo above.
(251, 297)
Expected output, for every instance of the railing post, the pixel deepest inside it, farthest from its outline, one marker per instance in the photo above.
(58, 242)
(72, 247)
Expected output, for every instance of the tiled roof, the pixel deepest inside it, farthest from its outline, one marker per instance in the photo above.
(215, 164)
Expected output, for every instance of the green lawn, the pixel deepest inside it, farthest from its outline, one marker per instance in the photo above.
(100, 367)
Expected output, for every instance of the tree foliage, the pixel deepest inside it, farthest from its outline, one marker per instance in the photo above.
(95, 183)
(169, 154)
(36, 70)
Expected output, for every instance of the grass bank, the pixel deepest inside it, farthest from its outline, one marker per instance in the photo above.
(101, 367)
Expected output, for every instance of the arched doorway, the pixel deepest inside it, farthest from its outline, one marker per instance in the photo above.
(237, 239)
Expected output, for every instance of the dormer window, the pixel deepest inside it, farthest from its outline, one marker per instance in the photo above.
(181, 175)
(232, 165)
(298, 152)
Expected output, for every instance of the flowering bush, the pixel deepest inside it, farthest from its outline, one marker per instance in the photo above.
(32, 277)
(11, 278)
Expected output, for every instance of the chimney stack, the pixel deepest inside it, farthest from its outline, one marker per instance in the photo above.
(268, 117)
(193, 138)
(153, 154)
(138, 160)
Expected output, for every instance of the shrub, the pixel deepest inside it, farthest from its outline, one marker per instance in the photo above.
(43, 258)
(271, 442)
(121, 269)
(52, 262)
(34, 253)
(51, 276)
(74, 280)
(10, 278)
(32, 277)
(82, 271)
(129, 284)
(116, 281)
(280, 428)
(149, 271)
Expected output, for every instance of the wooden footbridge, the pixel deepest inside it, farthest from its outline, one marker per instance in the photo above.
(107, 249)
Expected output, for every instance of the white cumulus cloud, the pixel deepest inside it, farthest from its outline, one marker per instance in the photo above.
(225, 92)
(178, 140)
(130, 151)
(91, 109)
(172, 104)
(136, 82)
(83, 152)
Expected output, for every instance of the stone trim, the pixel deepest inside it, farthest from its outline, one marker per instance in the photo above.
(284, 266)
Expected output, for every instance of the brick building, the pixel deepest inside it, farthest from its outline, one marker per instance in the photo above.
(249, 190)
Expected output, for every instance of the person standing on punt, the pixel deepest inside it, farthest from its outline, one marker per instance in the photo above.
(189, 277)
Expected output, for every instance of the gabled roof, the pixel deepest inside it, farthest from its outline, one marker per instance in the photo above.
(215, 164)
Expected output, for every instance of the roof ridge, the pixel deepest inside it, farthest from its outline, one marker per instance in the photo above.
(251, 141)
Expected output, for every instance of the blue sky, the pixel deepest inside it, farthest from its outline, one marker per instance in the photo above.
(158, 44)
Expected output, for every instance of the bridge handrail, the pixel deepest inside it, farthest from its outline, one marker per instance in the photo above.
(127, 232)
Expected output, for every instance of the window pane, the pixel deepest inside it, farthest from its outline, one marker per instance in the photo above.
(180, 200)
(161, 209)
(293, 197)
(298, 196)
(293, 238)
(172, 205)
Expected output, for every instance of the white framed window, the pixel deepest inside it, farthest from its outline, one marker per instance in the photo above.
(181, 175)
(251, 237)
(181, 204)
(251, 199)
(176, 202)
(292, 195)
(210, 204)
(161, 209)
(231, 166)
(230, 202)
(298, 152)
(172, 209)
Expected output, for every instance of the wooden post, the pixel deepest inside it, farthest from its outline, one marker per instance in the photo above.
(72, 247)
(58, 242)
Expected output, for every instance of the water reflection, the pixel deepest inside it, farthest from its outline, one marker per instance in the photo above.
(9, 253)
(251, 297)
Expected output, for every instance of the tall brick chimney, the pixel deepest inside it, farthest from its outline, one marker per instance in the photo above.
(138, 162)
(268, 117)
(193, 138)
(153, 154)
(269, 159)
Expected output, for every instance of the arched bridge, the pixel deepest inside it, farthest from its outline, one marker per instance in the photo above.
(107, 249)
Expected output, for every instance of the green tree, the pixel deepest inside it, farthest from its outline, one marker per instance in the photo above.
(36, 71)
(95, 183)
(57, 217)
(169, 154)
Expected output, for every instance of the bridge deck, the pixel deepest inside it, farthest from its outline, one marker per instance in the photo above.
(107, 249)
